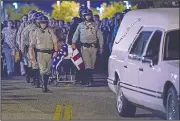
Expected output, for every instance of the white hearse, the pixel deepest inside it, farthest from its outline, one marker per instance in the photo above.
(144, 63)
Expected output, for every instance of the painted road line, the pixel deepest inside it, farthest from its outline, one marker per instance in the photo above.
(57, 113)
(67, 112)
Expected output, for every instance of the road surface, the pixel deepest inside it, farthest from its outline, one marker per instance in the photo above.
(66, 102)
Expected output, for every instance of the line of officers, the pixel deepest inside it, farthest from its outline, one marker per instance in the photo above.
(38, 44)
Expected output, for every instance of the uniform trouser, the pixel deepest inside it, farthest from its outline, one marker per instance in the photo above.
(44, 62)
(89, 57)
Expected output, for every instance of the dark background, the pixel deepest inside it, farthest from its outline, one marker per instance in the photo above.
(47, 4)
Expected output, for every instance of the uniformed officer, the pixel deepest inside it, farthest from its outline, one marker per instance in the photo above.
(46, 43)
(19, 33)
(22, 26)
(79, 75)
(25, 40)
(90, 36)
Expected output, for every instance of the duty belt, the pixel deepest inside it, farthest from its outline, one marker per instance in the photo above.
(45, 51)
(88, 45)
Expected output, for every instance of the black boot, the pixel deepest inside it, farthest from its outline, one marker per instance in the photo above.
(36, 78)
(83, 76)
(33, 77)
(86, 77)
(31, 74)
(28, 74)
(45, 83)
(79, 77)
(90, 77)
(26, 69)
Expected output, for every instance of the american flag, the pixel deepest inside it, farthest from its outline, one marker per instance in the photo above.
(77, 60)
(61, 54)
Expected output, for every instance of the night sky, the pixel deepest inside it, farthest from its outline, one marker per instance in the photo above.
(47, 5)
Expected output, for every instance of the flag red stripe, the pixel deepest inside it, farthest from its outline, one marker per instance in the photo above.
(81, 66)
(76, 57)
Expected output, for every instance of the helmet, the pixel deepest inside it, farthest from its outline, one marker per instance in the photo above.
(43, 19)
(81, 8)
(5, 22)
(40, 13)
(36, 15)
(30, 14)
(87, 12)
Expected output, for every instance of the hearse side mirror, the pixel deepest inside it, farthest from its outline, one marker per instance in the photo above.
(148, 59)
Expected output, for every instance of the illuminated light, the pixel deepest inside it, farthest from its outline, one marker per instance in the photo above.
(58, 3)
(15, 5)
(98, 8)
(89, 4)
(128, 6)
(101, 9)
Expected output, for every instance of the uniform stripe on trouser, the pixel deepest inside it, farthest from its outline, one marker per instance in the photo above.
(89, 56)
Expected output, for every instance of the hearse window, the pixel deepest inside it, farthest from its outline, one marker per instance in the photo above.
(140, 43)
(154, 46)
(172, 45)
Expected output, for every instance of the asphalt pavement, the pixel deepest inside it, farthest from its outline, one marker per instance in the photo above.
(22, 101)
